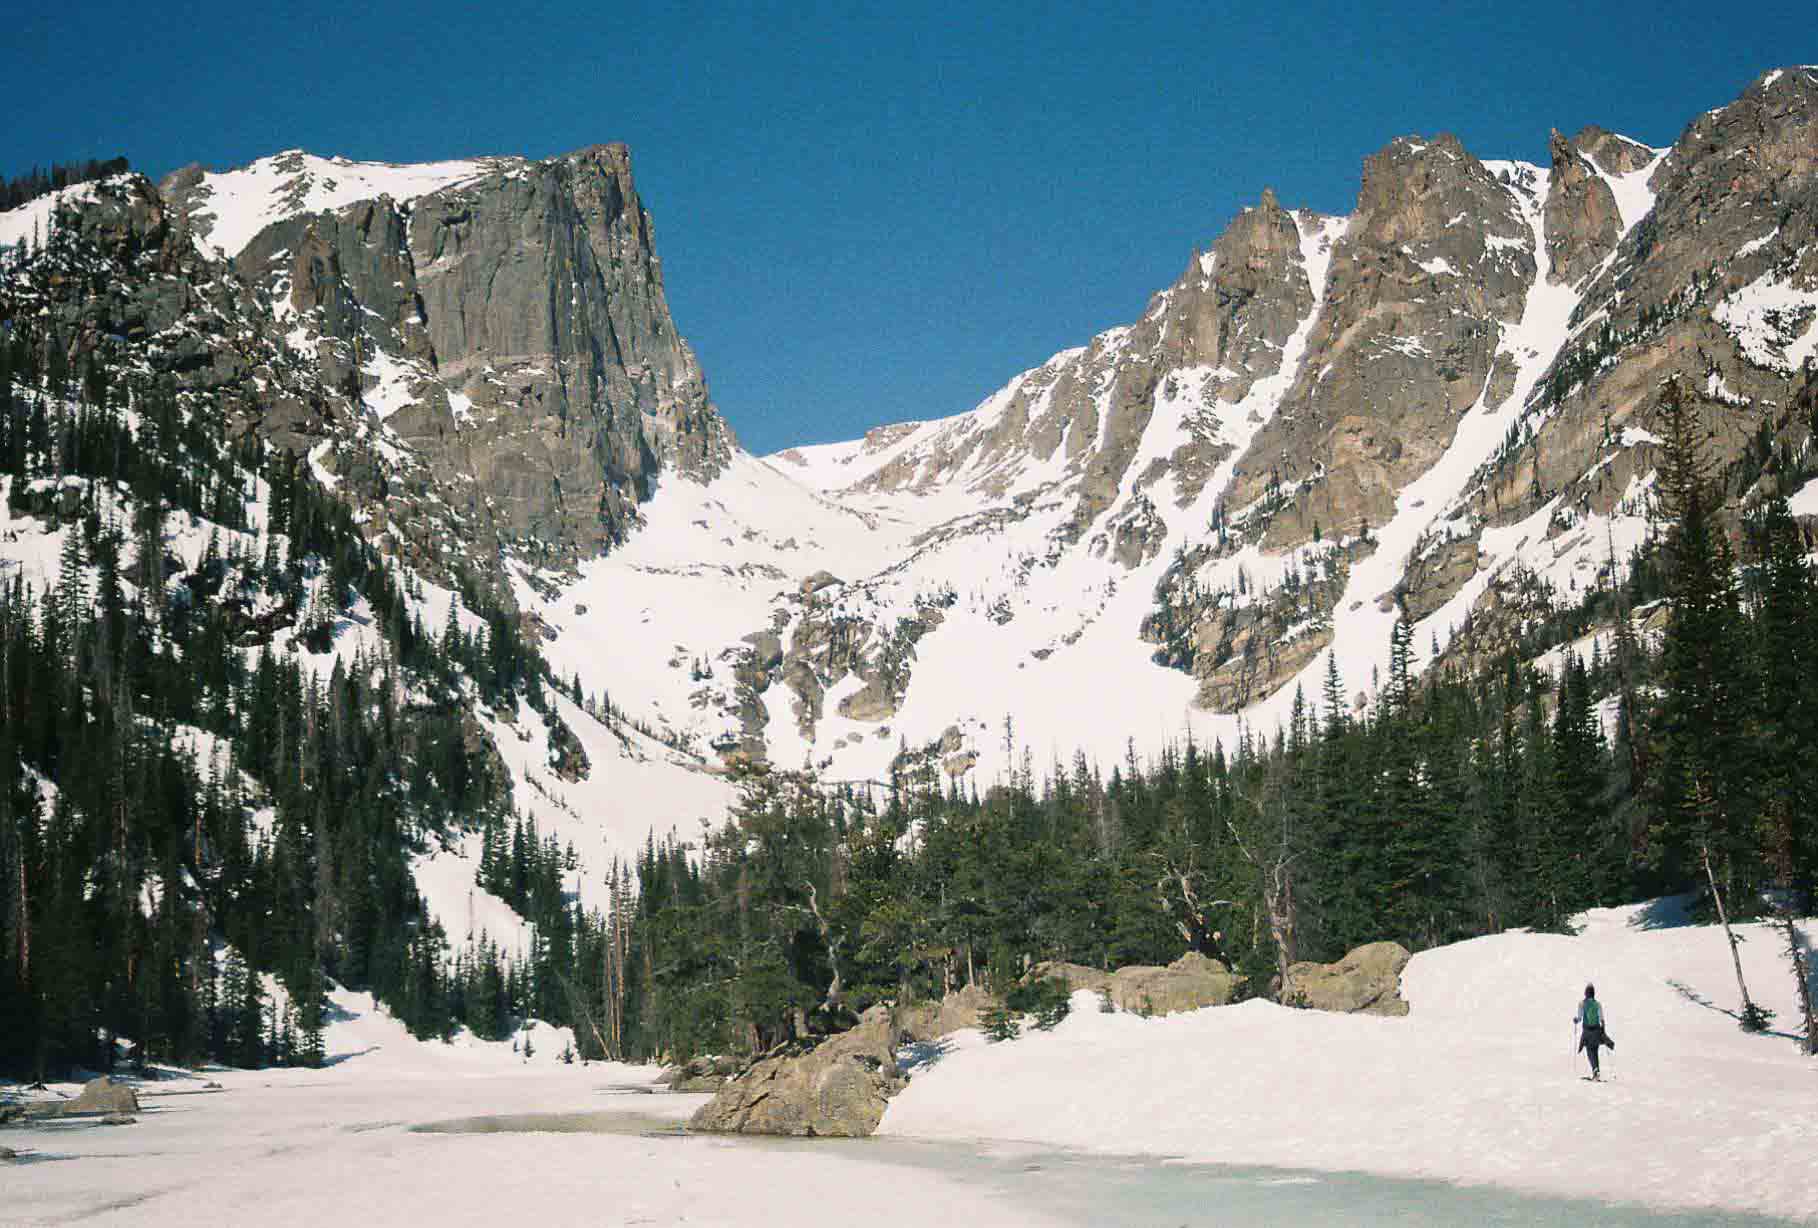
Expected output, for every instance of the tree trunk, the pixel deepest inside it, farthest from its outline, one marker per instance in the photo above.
(836, 992)
(1748, 1007)
(1802, 977)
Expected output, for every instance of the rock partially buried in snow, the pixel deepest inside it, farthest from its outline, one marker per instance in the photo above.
(1367, 981)
(1189, 983)
(963, 1008)
(837, 1089)
(701, 1074)
(101, 1095)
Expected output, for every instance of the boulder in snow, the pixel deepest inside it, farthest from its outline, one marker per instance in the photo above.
(101, 1095)
(963, 1008)
(701, 1074)
(835, 1089)
(1367, 981)
(1189, 983)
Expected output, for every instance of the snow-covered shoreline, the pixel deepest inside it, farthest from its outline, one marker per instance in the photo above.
(1478, 1084)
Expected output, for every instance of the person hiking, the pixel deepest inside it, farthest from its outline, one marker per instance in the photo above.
(1592, 1035)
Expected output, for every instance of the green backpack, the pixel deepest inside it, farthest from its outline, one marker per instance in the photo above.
(1593, 1013)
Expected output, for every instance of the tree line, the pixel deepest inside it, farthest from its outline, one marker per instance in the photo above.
(23, 188)
(201, 904)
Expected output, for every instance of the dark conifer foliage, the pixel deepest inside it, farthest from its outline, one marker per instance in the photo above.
(200, 904)
(21, 189)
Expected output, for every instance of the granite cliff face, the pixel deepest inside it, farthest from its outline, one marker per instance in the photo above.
(500, 325)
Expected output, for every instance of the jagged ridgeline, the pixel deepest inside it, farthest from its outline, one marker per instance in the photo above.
(236, 705)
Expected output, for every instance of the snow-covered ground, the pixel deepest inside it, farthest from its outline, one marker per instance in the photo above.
(1478, 1084)
(335, 1145)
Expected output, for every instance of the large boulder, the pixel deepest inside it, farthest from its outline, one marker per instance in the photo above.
(1187, 984)
(1367, 981)
(963, 1008)
(836, 1089)
(101, 1095)
(701, 1074)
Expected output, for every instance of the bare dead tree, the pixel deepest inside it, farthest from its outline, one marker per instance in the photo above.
(1177, 889)
(1751, 1014)
(1802, 977)
(836, 992)
(1274, 866)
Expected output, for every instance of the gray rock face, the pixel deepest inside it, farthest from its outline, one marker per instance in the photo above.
(550, 279)
(836, 1089)
(1367, 981)
(1582, 220)
(1416, 303)
(547, 387)
(963, 1008)
(1736, 206)
(1189, 983)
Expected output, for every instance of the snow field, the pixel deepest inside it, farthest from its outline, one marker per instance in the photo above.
(281, 1147)
(634, 787)
(247, 200)
(1478, 1084)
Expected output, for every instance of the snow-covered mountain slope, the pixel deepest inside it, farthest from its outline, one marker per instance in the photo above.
(239, 363)
(1325, 426)
(1322, 428)
(633, 789)
(229, 208)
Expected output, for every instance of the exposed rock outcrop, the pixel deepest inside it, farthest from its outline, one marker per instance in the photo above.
(701, 1074)
(835, 1089)
(963, 1008)
(98, 1096)
(1189, 983)
(1366, 981)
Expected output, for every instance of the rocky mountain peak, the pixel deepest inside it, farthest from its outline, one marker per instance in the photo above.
(1431, 409)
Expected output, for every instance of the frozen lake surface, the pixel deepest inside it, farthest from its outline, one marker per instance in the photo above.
(289, 1151)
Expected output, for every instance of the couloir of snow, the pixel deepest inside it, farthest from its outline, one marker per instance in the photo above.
(1479, 1083)
(635, 788)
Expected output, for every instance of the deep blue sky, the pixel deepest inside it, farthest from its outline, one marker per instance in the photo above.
(874, 213)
